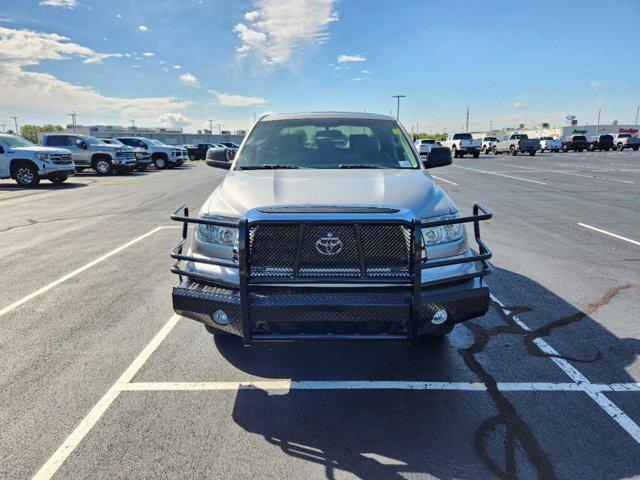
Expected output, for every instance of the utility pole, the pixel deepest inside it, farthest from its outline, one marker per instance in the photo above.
(73, 120)
(3, 125)
(133, 124)
(210, 126)
(15, 120)
(598, 125)
(398, 97)
(254, 116)
(490, 126)
(417, 127)
(219, 129)
(637, 112)
(467, 130)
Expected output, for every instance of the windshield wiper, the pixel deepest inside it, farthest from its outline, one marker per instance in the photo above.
(268, 167)
(358, 165)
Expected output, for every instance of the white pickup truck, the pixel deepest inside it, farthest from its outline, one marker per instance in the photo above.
(622, 141)
(462, 144)
(27, 163)
(550, 144)
(487, 144)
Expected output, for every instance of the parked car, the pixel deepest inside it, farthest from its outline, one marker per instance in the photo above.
(90, 152)
(143, 159)
(462, 144)
(162, 155)
(487, 144)
(199, 152)
(293, 242)
(423, 145)
(626, 140)
(516, 143)
(600, 142)
(236, 146)
(574, 142)
(28, 163)
(550, 144)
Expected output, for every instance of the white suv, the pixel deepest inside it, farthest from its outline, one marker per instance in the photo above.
(27, 163)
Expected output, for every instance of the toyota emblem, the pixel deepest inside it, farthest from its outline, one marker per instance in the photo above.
(329, 245)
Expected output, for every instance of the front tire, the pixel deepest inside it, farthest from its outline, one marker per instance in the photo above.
(532, 153)
(495, 150)
(620, 147)
(103, 166)
(160, 163)
(513, 151)
(454, 152)
(476, 154)
(26, 175)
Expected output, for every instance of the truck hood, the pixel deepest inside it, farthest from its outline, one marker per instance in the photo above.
(60, 151)
(411, 189)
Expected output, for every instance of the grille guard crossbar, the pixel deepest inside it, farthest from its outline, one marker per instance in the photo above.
(417, 263)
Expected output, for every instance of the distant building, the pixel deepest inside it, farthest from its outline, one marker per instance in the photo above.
(557, 132)
(170, 136)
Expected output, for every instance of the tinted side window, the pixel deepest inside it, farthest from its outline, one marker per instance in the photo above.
(56, 141)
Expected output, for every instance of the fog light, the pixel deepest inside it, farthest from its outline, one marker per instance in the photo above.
(220, 317)
(439, 317)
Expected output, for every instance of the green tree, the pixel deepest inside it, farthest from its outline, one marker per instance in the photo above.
(30, 132)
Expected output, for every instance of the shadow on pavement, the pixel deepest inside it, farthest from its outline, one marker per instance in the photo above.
(411, 434)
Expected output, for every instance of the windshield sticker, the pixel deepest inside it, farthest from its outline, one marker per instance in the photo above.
(404, 164)
(396, 131)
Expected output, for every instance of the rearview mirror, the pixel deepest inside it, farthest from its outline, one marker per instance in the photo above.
(438, 157)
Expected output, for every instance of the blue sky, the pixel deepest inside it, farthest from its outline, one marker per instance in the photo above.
(182, 63)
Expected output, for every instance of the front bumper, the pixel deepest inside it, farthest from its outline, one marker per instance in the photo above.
(358, 308)
(55, 170)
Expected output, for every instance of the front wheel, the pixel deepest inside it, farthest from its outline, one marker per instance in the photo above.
(565, 149)
(26, 175)
(160, 163)
(532, 153)
(454, 152)
(476, 154)
(513, 151)
(58, 179)
(590, 147)
(103, 166)
(495, 150)
(620, 147)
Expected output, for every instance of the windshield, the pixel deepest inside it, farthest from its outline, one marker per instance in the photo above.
(14, 141)
(327, 143)
(155, 142)
(490, 139)
(113, 141)
(520, 136)
(90, 140)
(462, 136)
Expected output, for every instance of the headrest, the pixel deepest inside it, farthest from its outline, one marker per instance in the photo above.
(363, 144)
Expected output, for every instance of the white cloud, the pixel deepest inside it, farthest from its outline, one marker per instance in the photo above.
(177, 67)
(148, 54)
(596, 84)
(59, 3)
(37, 93)
(232, 100)
(118, 16)
(518, 105)
(189, 80)
(366, 72)
(359, 79)
(143, 28)
(276, 29)
(173, 120)
(351, 58)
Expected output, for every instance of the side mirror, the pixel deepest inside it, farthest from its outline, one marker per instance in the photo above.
(145, 146)
(1, 149)
(219, 158)
(438, 157)
(81, 144)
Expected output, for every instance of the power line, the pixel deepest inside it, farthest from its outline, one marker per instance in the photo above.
(398, 97)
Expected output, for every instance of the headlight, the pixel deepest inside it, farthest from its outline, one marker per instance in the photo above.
(226, 236)
(42, 156)
(443, 233)
(118, 152)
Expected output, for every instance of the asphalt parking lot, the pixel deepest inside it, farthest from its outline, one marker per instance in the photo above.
(100, 379)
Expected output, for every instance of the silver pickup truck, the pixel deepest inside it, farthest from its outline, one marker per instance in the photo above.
(516, 143)
(306, 238)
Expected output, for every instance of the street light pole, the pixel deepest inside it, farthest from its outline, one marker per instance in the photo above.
(210, 126)
(598, 125)
(73, 120)
(490, 126)
(467, 130)
(219, 129)
(398, 97)
(637, 112)
(15, 120)
(2, 125)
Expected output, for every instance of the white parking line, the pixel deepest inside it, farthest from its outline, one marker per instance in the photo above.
(561, 172)
(443, 180)
(73, 440)
(77, 271)
(611, 234)
(590, 389)
(287, 385)
(500, 175)
(579, 384)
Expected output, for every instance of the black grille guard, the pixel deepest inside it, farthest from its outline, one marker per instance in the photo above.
(402, 217)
